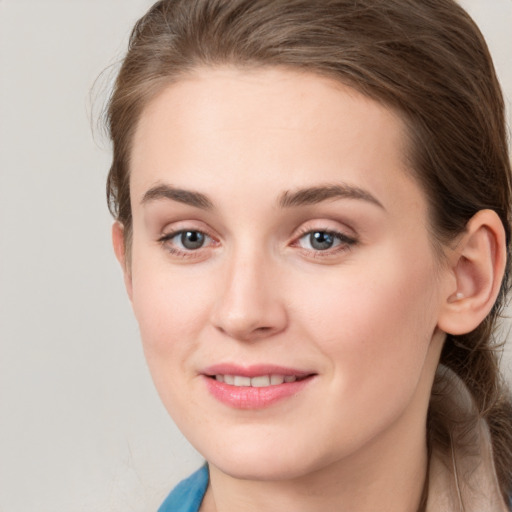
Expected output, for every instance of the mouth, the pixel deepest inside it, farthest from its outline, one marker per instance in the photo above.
(260, 381)
(255, 387)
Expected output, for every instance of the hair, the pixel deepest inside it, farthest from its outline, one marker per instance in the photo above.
(426, 59)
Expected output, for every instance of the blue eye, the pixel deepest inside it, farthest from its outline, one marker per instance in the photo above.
(186, 240)
(323, 240)
(192, 239)
(320, 240)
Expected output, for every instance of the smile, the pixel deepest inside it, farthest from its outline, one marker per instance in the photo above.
(255, 387)
(260, 381)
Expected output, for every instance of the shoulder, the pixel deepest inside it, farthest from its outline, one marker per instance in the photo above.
(188, 494)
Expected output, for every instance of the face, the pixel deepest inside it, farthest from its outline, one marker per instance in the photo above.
(282, 272)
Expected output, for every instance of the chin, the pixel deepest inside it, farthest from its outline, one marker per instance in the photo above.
(264, 461)
(263, 471)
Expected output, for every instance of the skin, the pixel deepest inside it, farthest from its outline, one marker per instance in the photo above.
(364, 316)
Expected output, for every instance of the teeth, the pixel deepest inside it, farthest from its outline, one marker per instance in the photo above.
(275, 380)
(242, 381)
(260, 381)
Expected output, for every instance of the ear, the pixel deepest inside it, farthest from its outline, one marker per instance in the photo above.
(477, 264)
(118, 241)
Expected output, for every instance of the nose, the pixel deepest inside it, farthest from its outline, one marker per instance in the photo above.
(249, 305)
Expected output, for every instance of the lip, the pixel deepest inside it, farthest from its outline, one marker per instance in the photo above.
(246, 397)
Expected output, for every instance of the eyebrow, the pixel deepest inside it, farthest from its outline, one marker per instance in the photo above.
(188, 197)
(314, 195)
(301, 197)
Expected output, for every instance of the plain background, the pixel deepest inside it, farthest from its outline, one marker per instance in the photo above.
(81, 427)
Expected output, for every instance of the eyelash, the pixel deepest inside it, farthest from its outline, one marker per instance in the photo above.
(345, 243)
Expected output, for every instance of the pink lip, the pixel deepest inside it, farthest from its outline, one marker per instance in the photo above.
(246, 397)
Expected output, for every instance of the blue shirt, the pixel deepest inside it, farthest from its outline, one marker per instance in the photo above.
(188, 494)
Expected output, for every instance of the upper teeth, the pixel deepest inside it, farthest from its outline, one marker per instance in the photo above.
(260, 381)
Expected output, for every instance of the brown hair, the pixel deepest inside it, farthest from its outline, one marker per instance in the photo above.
(424, 58)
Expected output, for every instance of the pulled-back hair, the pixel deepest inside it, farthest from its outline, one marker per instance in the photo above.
(426, 59)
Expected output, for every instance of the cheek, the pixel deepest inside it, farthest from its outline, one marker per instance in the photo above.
(376, 319)
(169, 307)
(169, 311)
(375, 329)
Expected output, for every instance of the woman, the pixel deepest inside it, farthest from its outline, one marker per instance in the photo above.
(312, 203)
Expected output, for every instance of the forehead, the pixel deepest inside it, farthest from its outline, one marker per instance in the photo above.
(274, 127)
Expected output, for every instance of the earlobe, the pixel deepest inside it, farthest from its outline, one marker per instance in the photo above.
(477, 264)
(118, 242)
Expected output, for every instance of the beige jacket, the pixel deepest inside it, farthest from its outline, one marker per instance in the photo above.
(462, 477)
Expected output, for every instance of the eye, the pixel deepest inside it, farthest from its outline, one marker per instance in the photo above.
(191, 239)
(320, 240)
(323, 240)
(186, 240)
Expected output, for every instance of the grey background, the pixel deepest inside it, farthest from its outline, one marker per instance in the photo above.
(81, 427)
